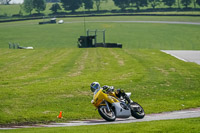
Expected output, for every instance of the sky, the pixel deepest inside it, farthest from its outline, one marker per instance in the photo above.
(16, 1)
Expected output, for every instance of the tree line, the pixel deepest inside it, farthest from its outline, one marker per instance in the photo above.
(123, 4)
(73, 5)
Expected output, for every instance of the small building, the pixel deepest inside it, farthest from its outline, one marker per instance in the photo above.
(91, 40)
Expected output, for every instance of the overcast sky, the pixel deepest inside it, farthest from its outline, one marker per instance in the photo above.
(17, 1)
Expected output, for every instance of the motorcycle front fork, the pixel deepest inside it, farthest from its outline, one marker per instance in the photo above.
(107, 106)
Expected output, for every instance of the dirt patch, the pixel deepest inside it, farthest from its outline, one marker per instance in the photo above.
(66, 96)
(164, 72)
(124, 76)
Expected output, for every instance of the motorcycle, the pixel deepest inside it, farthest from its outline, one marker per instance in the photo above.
(111, 107)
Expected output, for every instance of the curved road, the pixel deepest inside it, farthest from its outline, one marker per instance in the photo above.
(185, 55)
(160, 22)
(189, 113)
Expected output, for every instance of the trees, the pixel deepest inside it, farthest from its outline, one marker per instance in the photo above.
(169, 2)
(71, 5)
(198, 2)
(39, 5)
(139, 3)
(48, 1)
(179, 5)
(194, 3)
(88, 4)
(186, 3)
(122, 4)
(55, 7)
(8, 2)
(28, 6)
(98, 3)
(154, 3)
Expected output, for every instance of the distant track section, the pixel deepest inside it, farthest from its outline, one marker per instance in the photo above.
(185, 55)
(159, 22)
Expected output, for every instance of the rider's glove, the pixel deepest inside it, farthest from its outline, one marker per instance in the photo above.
(108, 88)
(120, 93)
(105, 88)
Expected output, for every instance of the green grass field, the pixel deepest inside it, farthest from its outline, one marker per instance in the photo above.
(131, 35)
(36, 84)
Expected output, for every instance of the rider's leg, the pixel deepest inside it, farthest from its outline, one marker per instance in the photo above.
(120, 93)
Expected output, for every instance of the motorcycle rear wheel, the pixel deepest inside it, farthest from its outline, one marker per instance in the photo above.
(108, 116)
(136, 110)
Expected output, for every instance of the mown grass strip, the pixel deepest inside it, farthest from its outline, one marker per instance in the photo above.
(158, 81)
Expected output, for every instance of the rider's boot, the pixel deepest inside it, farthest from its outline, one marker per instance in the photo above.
(127, 98)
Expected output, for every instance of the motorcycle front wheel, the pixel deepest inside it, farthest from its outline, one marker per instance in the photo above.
(105, 114)
(136, 110)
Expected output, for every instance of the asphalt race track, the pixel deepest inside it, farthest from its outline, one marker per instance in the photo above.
(160, 22)
(189, 113)
(185, 55)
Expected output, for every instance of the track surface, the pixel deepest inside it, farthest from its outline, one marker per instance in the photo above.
(189, 113)
(185, 55)
(160, 22)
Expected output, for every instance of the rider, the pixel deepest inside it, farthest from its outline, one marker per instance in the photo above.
(109, 90)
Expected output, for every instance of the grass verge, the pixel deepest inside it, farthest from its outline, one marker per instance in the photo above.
(36, 85)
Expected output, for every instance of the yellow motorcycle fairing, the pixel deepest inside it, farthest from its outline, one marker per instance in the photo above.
(100, 96)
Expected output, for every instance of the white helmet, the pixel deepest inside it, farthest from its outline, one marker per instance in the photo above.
(94, 86)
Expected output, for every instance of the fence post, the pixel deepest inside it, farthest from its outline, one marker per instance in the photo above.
(10, 45)
(13, 46)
